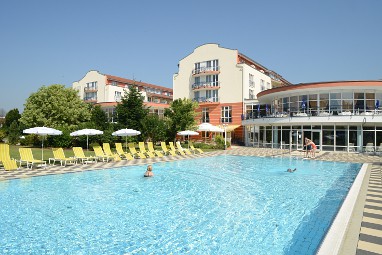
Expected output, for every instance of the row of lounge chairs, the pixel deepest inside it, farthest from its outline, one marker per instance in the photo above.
(103, 153)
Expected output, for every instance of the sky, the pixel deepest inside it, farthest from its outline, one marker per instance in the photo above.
(46, 42)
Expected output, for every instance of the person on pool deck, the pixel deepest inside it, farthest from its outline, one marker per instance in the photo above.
(314, 148)
(308, 146)
(290, 170)
(149, 172)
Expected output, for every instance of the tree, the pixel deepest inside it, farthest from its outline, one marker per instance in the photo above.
(154, 128)
(99, 118)
(131, 110)
(182, 115)
(55, 106)
(14, 133)
(12, 116)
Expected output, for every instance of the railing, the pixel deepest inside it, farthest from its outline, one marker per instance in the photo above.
(87, 89)
(205, 69)
(206, 99)
(208, 85)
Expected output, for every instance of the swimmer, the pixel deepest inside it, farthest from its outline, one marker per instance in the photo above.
(290, 170)
(149, 172)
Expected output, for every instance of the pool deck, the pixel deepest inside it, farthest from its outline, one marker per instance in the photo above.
(364, 234)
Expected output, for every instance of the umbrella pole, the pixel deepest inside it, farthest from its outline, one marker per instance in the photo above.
(42, 148)
(126, 144)
(188, 142)
(87, 142)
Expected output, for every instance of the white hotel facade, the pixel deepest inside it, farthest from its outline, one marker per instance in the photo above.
(107, 90)
(225, 83)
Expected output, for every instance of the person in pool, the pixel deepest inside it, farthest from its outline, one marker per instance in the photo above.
(149, 172)
(290, 170)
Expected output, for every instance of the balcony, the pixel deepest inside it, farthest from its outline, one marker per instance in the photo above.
(90, 89)
(206, 71)
(206, 85)
(206, 100)
(90, 99)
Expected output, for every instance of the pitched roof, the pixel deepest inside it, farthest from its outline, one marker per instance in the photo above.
(138, 83)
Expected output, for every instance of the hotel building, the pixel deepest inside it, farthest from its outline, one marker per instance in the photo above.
(225, 83)
(107, 90)
(337, 116)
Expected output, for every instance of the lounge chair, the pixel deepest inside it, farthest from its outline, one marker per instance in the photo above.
(101, 154)
(59, 155)
(369, 148)
(10, 164)
(142, 148)
(134, 152)
(180, 148)
(196, 149)
(80, 156)
(172, 148)
(121, 153)
(26, 156)
(167, 151)
(151, 149)
(4, 152)
(107, 151)
(379, 148)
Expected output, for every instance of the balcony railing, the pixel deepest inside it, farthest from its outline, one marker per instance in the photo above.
(209, 69)
(90, 99)
(90, 89)
(206, 85)
(206, 99)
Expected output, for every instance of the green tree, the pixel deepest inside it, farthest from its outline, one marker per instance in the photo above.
(14, 133)
(154, 128)
(182, 115)
(131, 110)
(55, 106)
(99, 118)
(11, 116)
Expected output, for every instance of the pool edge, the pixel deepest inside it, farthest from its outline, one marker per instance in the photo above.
(340, 237)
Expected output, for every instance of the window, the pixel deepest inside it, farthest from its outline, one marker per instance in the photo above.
(205, 115)
(251, 94)
(117, 96)
(262, 85)
(268, 85)
(251, 82)
(212, 96)
(90, 96)
(114, 83)
(91, 85)
(226, 114)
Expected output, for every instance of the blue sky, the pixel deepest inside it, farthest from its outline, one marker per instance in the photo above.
(56, 42)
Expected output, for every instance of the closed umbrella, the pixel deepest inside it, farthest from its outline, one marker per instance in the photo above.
(43, 131)
(188, 133)
(126, 132)
(87, 132)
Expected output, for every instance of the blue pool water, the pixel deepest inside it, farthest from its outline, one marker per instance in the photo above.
(217, 205)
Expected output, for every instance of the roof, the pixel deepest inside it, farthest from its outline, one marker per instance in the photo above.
(323, 85)
(138, 83)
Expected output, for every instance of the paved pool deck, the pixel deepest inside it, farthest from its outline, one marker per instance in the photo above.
(364, 233)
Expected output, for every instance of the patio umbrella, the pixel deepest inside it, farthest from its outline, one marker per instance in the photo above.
(207, 127)
(43, 131)
(86, 132)
(126, 132)
(188, 133)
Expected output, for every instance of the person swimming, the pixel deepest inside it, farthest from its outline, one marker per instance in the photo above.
(290, 170)
(149, 172)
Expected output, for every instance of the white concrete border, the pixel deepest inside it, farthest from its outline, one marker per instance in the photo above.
(334, 238)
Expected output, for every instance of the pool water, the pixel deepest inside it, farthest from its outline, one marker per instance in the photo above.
(217, 205)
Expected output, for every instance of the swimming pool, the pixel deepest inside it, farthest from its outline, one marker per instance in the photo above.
(217, 205)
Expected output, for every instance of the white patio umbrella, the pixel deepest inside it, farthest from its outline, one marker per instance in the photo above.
(207, 127)
(43, 131)
(87, 132)
(126, 132)
(188, 133)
